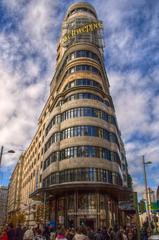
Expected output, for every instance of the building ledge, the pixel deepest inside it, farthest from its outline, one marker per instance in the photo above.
(119, 193)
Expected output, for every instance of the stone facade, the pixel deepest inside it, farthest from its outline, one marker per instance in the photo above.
(3, 204)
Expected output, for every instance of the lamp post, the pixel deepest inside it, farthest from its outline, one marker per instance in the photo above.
(44, 212)
(2, 152)
(145, 180)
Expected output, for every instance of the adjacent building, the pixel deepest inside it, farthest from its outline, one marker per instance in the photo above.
(150, 198)
(15, 189)
(3, 204)
(157, 194)
(76, 164)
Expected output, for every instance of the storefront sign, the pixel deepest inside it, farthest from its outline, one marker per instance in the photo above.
(83, 29)
(88, 211)
(126, 205)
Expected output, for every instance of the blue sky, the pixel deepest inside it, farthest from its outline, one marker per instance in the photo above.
(29, 31)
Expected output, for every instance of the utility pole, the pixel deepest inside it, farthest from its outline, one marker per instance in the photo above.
(1, 155)
(145, 180)
(1, 173)
(135, 202)
(44, 213)
(29, 208)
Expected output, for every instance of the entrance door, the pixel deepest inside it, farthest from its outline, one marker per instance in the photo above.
(88, 222)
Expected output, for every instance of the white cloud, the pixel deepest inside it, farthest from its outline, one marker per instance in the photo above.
(131, 101)
(28, 59)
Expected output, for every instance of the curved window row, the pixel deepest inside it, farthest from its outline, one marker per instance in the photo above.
(82, 53)
(82, 151)
(83, 96)
(83, 82)
(85, 130)
(77, 10)
(79, 68)
(79, 54)
(81, 112)
(83, 174)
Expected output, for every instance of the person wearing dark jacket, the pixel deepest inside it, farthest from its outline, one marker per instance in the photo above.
(46, 233)
(11, 232)
(98, 235)
(105, 234)
(19, 233)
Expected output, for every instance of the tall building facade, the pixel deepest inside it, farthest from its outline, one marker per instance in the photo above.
(84, 164)
(76, 164)
(14, 189)
(157, 194)
(151, 198)
(3, 205)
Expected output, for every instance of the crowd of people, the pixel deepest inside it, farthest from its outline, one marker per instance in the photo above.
(81, 233)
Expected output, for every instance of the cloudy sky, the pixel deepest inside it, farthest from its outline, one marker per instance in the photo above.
(29, 31)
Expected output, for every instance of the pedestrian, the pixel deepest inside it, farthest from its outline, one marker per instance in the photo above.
(130, 235)
(124, 235)
(4, 235)
(60, 234)
(111, 233)
(46, 233)
(38, 235)
(105, 234)
(98, 235)
(28, 235)
(11, 232)
(70, 233)
(52, 235)
(90, 233)
(149, 232)
(115, 232)
(143, 234)
(134, 233)
(19, 233)
(81, 234)
(118, 234)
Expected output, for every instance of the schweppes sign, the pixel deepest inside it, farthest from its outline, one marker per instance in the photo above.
(83, 29)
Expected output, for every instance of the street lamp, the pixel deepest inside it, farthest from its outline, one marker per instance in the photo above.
(2, 152)
(145, 180)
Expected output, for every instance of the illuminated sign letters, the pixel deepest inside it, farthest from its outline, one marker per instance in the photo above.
(86, 28)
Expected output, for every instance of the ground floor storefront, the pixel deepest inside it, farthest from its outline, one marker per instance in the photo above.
(95, 205)
(92, 209)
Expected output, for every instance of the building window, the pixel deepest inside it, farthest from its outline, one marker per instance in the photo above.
(77, 131)
(83, 82)
(82, 68)
(83, 96)
(81, 112)
(82, 174)
(82, 151)
(81, 10)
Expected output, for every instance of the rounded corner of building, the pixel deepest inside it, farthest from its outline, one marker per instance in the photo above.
(80, 5)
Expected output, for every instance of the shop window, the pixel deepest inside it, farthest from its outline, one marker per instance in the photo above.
(71, 203)
(83, 201)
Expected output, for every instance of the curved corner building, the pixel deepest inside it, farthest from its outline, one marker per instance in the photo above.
(85, 169)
